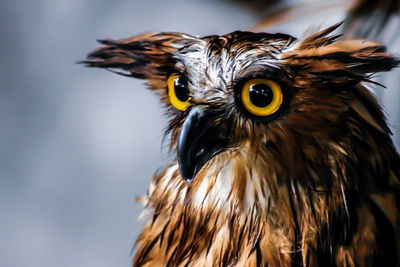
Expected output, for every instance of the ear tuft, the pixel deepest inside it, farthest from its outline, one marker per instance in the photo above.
(143, 56)
(320, 59)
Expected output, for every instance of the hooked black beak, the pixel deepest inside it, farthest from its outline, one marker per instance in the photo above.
(200, 139)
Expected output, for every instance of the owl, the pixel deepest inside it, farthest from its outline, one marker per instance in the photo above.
(283, 156)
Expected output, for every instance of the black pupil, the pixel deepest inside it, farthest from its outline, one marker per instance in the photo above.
(260, 95)
(181, 90)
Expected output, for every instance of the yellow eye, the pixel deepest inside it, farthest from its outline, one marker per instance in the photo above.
(261, 97)
(178, 92)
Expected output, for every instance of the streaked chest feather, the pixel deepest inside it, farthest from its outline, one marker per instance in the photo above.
(237, 212)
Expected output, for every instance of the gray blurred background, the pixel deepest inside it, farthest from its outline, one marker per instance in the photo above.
(78, 145)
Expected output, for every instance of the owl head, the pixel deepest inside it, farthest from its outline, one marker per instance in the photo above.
(266, 95)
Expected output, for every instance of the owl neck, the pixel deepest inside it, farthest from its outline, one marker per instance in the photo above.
(231, 199)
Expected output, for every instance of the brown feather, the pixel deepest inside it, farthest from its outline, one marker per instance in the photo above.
(316, 185)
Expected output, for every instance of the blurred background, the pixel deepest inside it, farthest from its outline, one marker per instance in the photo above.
(78, 145)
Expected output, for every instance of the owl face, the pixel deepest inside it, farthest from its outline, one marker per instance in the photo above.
(251, 92)
(222, 87)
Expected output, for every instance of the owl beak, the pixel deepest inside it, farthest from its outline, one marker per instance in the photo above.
(200, 139)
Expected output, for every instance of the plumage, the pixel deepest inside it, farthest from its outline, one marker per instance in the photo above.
(314, 183)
